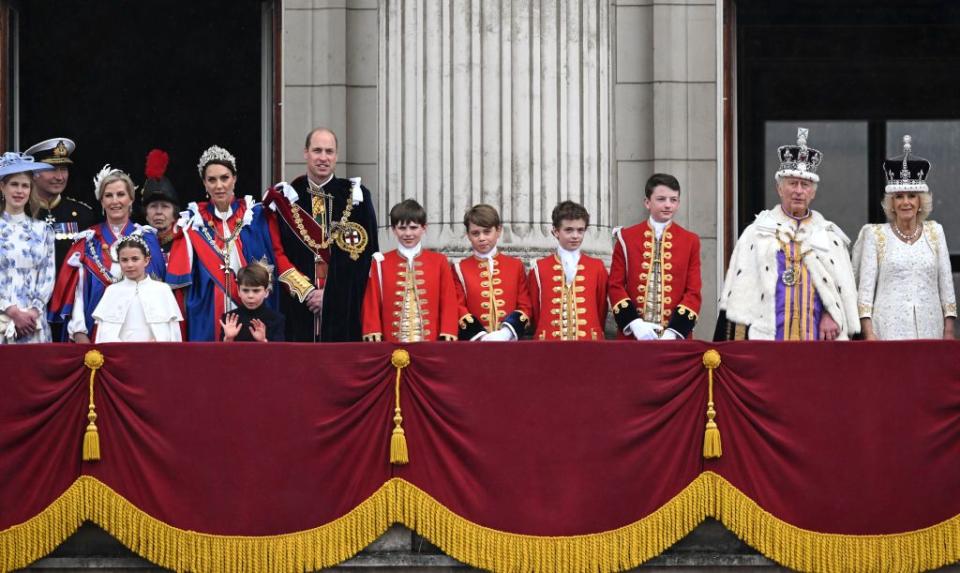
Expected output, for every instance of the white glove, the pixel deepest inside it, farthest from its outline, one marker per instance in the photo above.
(643, 330)
(670, 334)
(502, 335)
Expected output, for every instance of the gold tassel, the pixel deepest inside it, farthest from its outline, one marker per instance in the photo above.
(398, 441)
(712, 447)
(93, 360)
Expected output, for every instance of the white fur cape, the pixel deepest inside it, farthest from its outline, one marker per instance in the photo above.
(749, 291)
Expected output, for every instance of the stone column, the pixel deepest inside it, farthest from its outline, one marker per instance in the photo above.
(665, 90)
(505, 102)
(330, 79)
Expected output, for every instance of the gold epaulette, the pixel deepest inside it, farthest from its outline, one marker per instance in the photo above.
(298, 284)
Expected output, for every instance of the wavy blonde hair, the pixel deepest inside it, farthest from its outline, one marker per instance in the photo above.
(926, 205)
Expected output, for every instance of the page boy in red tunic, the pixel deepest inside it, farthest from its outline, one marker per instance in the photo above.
(491, 287)
(568, 288)
(410, 295)
(655, 272)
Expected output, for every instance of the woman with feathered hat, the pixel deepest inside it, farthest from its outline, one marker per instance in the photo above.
(92, 265)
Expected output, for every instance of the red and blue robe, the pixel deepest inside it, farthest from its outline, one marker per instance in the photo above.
(196, 265)
(88, 269)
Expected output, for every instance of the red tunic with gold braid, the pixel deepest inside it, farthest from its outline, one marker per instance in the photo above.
(658, 281)
(492, 293)
(404, 304)
(565, 310)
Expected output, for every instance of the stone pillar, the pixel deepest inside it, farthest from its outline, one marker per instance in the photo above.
(330, 79)
(665, 119)
(505, 102)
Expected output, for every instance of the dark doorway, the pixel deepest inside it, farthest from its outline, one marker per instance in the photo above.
(860, 74)
(121, 77)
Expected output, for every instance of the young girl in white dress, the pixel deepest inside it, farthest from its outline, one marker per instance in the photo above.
(138, 308)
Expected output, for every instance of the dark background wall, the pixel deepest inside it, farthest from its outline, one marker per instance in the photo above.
(121, 77)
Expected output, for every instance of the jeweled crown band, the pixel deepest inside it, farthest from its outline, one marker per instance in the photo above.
(216, 153)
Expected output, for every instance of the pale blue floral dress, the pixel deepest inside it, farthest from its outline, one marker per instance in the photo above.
(26, 269)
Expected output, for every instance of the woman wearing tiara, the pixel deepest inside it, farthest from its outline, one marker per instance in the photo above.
(91, 264)
(220, 236)
(903, 266)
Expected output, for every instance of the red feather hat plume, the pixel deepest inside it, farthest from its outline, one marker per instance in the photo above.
(157, 161)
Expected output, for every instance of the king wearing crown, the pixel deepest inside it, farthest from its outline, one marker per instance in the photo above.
(790, 276)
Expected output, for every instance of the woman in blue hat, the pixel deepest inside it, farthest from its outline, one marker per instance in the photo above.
(26, 256)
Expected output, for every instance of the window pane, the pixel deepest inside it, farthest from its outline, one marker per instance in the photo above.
(842, 192)
(937, 141)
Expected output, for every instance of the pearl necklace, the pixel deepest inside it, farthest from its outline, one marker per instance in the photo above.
(904, 237)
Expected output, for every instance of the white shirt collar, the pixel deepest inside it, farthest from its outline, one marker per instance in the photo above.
(488, 255)
(321, 185)
(410, 253)
(223, 215)
(658, 227)
(135, 284)
(569, 260)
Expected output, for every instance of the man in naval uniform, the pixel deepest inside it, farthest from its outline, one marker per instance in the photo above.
(65, 215)
(790, 276)
(329, 233)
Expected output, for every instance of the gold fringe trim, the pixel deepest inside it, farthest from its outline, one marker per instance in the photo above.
(89, 499)
(399, 501)
(493, 550)
(26, 542)
(805, 550)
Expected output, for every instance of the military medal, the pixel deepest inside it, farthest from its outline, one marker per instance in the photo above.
(789, 277)
(352, 238)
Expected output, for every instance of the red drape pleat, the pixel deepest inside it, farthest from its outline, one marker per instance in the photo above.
(843, 437)
(534, 438)
(43, 413)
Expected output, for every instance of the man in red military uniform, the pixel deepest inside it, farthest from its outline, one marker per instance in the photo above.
(569, 289)
(410, 294)
(491, 287)
(655, 272)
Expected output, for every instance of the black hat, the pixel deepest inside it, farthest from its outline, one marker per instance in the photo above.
(906, 172)
(156, 186)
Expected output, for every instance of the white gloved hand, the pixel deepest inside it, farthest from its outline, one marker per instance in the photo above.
(670, 334)
(643, 330)
(502, 335)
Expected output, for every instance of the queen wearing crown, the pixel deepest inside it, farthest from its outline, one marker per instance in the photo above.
(790, 276)
(903, 265)
(91, 264)
(220, 236)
